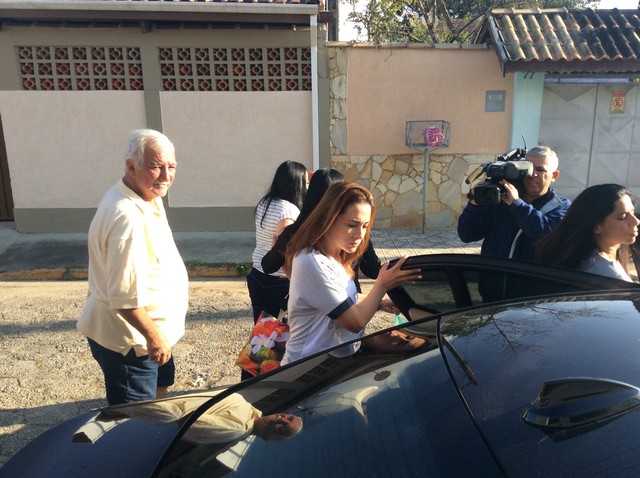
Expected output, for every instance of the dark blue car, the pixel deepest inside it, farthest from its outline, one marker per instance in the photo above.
(544, 382)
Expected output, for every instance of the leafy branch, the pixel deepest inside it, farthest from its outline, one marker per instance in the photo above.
(437, 21)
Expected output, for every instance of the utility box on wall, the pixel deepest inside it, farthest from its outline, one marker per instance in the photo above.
(495, 101)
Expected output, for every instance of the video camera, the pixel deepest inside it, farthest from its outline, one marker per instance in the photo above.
(510, 166)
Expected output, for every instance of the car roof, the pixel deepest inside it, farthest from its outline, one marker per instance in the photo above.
(550, 379)
(498, 357)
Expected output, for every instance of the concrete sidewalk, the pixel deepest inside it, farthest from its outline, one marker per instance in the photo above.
(59, 256)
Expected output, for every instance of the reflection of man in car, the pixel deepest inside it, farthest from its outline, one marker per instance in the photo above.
(231, 419)
(395, 341)
(208, 446)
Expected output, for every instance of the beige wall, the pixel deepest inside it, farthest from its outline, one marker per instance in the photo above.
(229, 145)
(376, 90)
(65, 149)
(387, 87)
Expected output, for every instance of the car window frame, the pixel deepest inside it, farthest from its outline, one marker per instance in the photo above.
(454, 267)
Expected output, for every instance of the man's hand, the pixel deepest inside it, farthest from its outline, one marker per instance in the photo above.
(511, 192)
(157, 345)
(159, 349)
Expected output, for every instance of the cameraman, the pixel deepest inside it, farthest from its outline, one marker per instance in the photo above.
(510, 228)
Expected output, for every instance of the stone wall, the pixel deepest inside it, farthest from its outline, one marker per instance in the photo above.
(338, 64)
(397, 181)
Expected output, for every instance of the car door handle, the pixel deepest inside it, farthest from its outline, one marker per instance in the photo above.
(573, 403)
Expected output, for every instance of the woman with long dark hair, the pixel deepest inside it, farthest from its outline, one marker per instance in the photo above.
(279, 208)
(595, 233)
(321, 180)
(323, 303)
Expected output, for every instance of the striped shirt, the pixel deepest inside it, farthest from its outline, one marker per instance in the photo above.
(266, 228)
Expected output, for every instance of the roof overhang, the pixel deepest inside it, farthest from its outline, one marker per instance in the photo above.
(594, 67)
(208, 12)
(490, 34)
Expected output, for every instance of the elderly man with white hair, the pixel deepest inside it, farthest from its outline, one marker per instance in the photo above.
(138, 284)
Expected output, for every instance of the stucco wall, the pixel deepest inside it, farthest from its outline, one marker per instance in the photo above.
(375, 91)
(388, 87)
(65, 148)
(229, 145)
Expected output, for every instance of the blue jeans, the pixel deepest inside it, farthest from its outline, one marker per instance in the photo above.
(267, 292)
(128, 378)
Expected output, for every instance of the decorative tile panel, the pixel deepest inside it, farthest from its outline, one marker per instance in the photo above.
(235, 69)
(73, 68)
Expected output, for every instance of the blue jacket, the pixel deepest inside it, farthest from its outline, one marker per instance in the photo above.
(499, 224)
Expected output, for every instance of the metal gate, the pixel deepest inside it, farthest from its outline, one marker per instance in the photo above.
(595, 143)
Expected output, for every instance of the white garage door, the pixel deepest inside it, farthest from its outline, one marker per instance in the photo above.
(594, 144)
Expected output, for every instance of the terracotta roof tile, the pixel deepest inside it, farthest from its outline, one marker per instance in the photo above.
(567, 41)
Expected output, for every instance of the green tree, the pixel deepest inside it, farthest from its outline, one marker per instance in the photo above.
(437, 21)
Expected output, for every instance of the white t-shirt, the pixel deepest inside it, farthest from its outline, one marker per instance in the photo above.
(266, 228)
(320, 289)
(596, 264)
(133, 263)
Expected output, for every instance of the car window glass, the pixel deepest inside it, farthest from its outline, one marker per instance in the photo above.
(451, 287)
(433, 290)
(471, 280)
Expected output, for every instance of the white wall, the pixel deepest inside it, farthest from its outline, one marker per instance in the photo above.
(65, 149)
(216, 134)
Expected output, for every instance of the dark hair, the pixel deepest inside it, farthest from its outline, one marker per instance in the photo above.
(334, 203)
(574, 239)
(321, 180)
(289, 183)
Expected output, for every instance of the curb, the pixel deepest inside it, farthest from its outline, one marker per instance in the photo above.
(199, 271)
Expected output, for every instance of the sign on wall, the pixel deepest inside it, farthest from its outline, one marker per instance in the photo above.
(617, 102)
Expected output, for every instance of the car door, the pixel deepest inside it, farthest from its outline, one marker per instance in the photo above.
(454, 281)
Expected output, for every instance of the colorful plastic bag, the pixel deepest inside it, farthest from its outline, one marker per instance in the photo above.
(265, 348)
